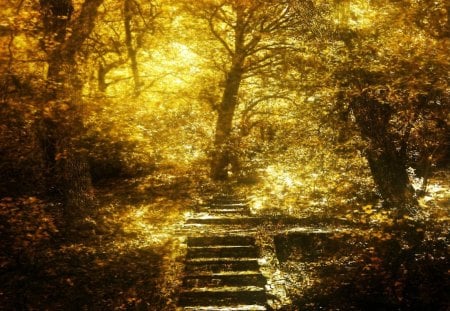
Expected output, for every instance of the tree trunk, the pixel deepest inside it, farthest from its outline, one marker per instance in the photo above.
(76, 180)
(391, 178)
(101, 78)
(223, 153)
(132, 53)
(67, 165)
(62, 124)
(387, 161)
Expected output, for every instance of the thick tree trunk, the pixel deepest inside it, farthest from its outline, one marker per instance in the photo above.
(62, 124)
(67, 165)
(386, 155)
(223, 154)
(75, 178)
(391, 178)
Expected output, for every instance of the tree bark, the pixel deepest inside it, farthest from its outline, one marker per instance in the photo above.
(253, 34)
(132, 53)
(387, 161)
(62, 123)
(223, 150)
(70, 167)
(223, 155)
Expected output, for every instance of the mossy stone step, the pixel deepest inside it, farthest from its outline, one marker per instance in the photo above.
(225, 196)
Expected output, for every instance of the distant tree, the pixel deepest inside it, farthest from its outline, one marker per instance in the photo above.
(117, 41)
(255, 37)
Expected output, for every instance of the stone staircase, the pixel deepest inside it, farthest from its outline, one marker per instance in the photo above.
(222, 271)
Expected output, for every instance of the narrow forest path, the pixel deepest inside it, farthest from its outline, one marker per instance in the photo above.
(222, 264)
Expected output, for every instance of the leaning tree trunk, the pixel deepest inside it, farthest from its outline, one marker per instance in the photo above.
(385, 155)
(223, 151)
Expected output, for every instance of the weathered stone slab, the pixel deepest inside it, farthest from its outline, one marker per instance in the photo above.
(222, 251)
(225, 220)
(220, 240)
(226, 308)
(231, 212)
(222, 297)
(229, 205)
(220, 266)
(220, 280)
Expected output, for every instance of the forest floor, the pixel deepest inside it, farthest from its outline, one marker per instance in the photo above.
(130, 255)
(117, 262)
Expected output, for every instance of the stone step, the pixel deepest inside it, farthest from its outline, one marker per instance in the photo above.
(222, 269)
(223, 296)
(229, 211)
(226, 308)
(209, 209)
(228, 205)
(221, 240)
(225, 195)
(202, 229)
(222, 251)
(216, 220)
(208, 266)
(220, 280)
(227, 201)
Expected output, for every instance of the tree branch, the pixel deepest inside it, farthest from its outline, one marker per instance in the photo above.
(82, 27)
(216, 34)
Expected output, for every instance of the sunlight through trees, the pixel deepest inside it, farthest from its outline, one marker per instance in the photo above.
(327, 109)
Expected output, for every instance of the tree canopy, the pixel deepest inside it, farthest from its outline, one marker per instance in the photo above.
(118, 116)
(241, 85)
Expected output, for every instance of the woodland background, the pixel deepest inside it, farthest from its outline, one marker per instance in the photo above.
(118, 116)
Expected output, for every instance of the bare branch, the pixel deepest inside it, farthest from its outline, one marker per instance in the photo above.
(216, 34)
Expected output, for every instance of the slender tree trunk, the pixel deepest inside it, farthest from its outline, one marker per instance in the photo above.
(132, 53)
(223, 150)
(223, 154)
(101, 78)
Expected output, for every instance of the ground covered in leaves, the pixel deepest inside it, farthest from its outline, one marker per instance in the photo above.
(122, 260)
(369, 262)
(128, 255)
